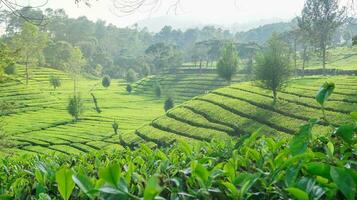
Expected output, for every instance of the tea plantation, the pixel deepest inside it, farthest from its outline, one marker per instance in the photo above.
(38, 121)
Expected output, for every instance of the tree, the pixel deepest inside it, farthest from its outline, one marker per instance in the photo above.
(106, 81)
(157, 89)
(74, 65)
(130, 76)
(273, 65)
(75, 107)
(169, 103)
(354, 40)
(10, 69)
(6, 59)
(129, 88)
(29, 43)
(58, 53)
(305, 40)
(322, 18)
(228, 64)
(55, 81)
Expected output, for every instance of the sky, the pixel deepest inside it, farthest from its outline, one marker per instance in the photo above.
(209, 11)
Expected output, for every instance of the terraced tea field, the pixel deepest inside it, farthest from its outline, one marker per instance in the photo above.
(183, 86)
(39, 121)
(244, 107)
(343, 58)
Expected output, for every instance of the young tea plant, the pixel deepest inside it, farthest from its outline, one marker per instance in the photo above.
(323, 94)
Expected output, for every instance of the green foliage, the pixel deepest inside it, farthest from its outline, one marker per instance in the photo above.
(10, 69)
(64, 182)
(75, 106)
(255, 166)
(29, 43)
(129, 88)
(273, 65)
(322, 18)
(131, 76)
(325, 92)
(169, 103)
(55, 81)
(157, 89)
(115, 127)
(145, 70)
(228, 64)
(354, 40)
(106, 81)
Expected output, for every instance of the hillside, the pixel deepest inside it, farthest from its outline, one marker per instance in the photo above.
(182, 87)
(244, 107)
(39, 121)
(342, 58)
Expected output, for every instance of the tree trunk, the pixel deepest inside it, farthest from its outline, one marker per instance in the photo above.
(324, 59)
(74, 86)
(200, 66)
(295, 56)
(27, 70)
(274, 95)
(303, 61)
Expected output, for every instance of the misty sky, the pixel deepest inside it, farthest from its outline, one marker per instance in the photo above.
(208, 11)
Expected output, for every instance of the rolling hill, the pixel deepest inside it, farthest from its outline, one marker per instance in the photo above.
(243, 108)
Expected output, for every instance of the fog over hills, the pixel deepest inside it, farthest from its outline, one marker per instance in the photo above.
(155, 24)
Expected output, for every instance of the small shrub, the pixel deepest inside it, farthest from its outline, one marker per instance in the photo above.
(106, 81)
(75, 107)
(129, 88)
(158, 90)
(10, 69)
(130, 76)
(169, 103)
(55, 82)
(115, 126)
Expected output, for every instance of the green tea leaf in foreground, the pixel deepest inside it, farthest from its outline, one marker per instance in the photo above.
(298, 194)
(152, 189)
(344, 182)
(324, 92)
(64, 182)
(85, 184)
(300, 142)
(110, 174)
(346, 132)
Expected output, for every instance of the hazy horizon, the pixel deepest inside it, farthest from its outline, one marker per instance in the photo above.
(199, 11)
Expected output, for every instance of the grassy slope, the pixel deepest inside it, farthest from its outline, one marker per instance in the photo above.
(244, 107)
(343, 58)
(39, 121)
(182, 86)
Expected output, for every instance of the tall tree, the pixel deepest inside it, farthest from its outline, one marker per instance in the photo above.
(323, 17)
(273, 65)
(304, 40)
(6, 58)
(74, 66)
(228, 64)
(30, 43)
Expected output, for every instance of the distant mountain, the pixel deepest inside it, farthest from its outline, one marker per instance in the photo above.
(262, 33)
(155, 24)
